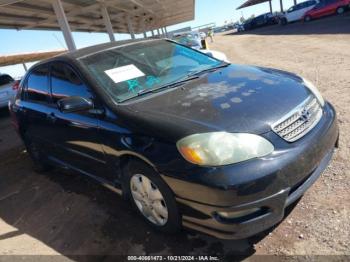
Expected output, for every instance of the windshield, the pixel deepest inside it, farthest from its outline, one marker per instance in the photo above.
(126, 71)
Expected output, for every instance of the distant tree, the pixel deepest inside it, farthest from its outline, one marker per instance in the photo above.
(242, 19)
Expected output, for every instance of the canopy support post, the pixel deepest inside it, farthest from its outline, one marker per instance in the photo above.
(281, 4)
(25, 66)
(107, 22)
(131, 30)
(63, 23)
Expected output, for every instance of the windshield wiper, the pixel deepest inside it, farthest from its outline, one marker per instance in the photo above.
(210, 69)
(170, 85)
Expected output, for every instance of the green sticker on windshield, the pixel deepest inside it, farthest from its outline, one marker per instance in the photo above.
(133, 84)
(151, 81)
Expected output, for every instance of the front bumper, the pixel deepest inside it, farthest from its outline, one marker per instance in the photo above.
(269, 184)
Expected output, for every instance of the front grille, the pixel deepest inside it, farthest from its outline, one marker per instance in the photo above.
(299, 121)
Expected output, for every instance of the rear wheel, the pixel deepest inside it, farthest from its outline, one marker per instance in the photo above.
(151, 197)
(40, 162)
(307, 18)
(340, 10)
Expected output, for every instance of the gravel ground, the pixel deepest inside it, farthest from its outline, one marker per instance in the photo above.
(64, 213)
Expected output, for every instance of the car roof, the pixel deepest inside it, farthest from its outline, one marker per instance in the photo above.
(86, 51)
(5, 75)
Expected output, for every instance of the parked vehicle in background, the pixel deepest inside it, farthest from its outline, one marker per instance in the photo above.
(193, 40)
(202, 35)
(6, 90)
(327, 7)
(297, 12)
(260, 21)
(190, 40)
(239, 27)
(15, 85)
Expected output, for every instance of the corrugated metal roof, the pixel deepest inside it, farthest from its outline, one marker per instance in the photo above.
(86, 15)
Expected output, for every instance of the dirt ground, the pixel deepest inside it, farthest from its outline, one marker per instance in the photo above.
(65, 213)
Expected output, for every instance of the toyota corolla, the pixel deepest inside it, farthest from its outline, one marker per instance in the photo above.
(190, 140)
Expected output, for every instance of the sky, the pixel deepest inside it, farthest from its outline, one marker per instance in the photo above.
(206, 11)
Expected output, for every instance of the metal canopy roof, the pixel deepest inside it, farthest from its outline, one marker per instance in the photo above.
(85, 15)
(251, 2)
(13, 59)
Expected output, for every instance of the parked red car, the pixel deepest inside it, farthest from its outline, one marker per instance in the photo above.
(327, 7)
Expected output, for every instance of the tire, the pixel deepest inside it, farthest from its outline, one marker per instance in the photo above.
(40, 162)
(135, 174)
(284, 21)
(307, 18)
(340, 10)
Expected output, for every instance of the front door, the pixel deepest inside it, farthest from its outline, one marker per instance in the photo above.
(75, 135)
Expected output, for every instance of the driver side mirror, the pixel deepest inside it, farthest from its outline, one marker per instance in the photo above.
(74, 104)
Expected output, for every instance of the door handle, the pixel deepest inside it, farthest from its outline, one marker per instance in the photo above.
(52, 117)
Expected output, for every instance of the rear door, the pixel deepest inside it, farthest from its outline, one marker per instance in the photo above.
(35, 107)
(293, 13)
(75, 135)
(302, 9)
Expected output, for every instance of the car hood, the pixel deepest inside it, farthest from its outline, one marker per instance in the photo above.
(234, 99)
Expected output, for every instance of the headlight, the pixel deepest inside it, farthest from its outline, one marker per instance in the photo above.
(221, 148)
(314, 90)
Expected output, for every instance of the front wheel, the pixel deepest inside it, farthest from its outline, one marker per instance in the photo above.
(151, 197)
(340, 10)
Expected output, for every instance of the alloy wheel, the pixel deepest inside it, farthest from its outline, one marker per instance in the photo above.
(148, 199)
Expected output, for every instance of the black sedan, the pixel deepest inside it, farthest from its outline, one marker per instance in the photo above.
(260, 21)
(191, 141)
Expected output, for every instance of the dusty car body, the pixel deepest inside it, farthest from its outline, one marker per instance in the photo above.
(200, 143)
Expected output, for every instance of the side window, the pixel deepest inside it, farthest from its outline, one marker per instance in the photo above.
(65, 83)
(302, 6)
(5, 79)
(311, 3)
(290, 9)
(38, 85)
